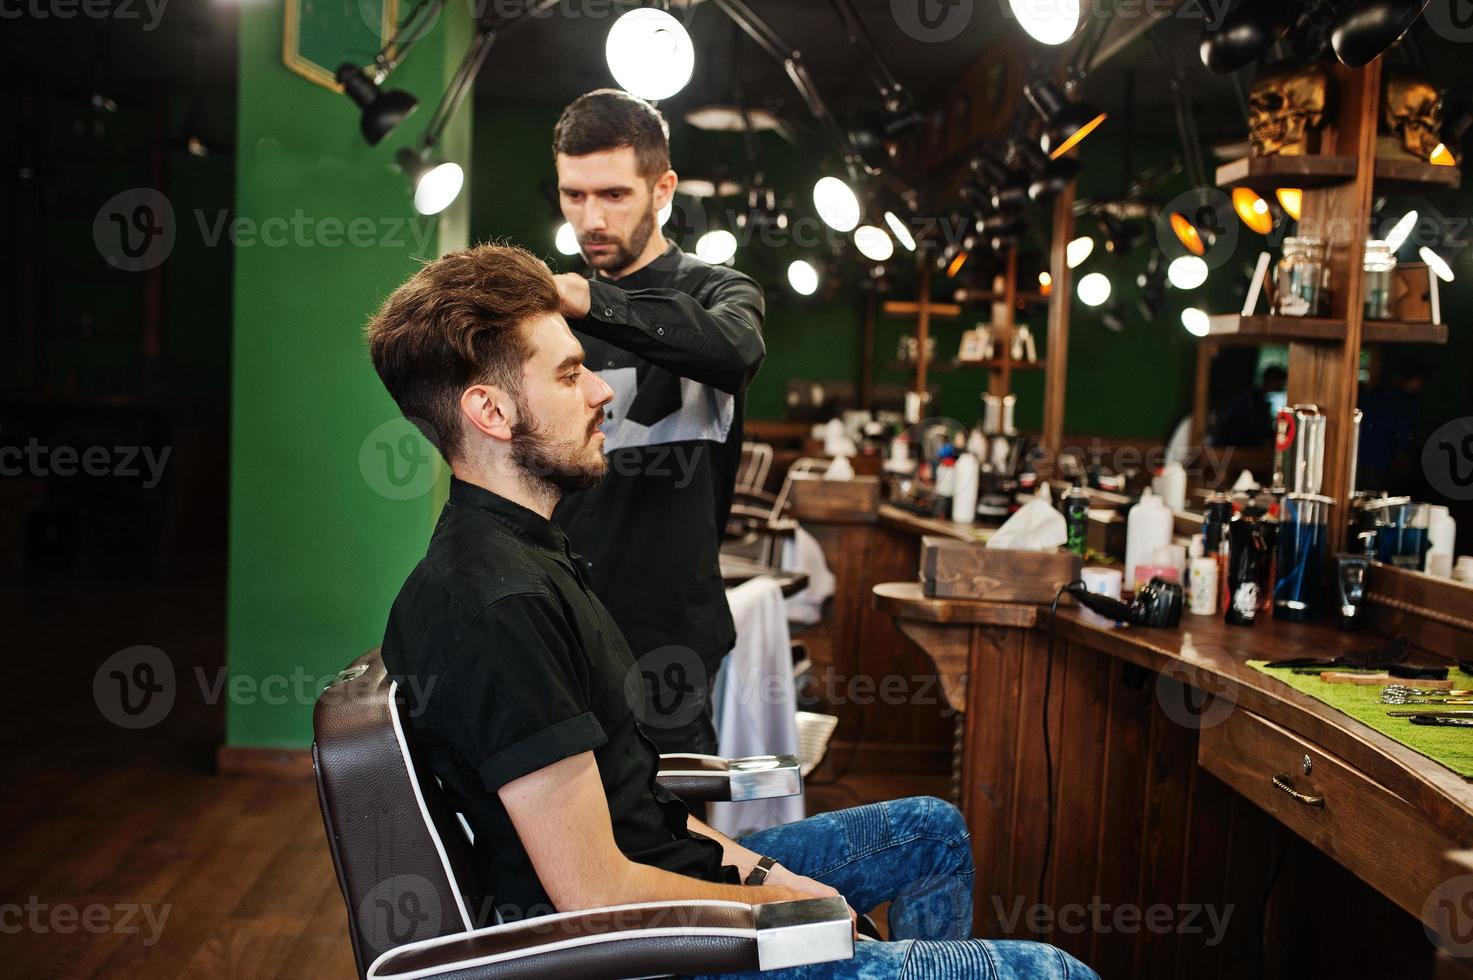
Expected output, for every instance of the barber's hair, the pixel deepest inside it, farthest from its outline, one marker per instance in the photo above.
(606, 119)
(458, 322)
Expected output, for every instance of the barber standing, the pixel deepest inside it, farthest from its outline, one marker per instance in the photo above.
(678, 341)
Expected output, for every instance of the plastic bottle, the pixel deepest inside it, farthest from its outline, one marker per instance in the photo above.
(1442, 534)
(1149, 526)
(1171, 484)
(964, 493)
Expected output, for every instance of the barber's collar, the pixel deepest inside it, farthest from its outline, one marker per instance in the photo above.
(522, 522)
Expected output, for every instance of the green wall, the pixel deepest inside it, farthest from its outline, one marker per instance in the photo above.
(322, 530)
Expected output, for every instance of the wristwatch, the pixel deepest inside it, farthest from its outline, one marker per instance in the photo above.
(760, 871)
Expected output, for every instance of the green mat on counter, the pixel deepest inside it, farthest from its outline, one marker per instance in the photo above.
(1452, 747)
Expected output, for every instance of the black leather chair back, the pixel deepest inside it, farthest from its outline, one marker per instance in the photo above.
(403, 860)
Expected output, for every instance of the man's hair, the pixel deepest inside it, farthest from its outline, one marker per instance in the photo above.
(606, 119)
(458, 322)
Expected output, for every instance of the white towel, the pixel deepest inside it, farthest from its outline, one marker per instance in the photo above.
(755, 702)
(803, 553)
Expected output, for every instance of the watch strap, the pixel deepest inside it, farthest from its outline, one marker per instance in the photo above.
(760, 871)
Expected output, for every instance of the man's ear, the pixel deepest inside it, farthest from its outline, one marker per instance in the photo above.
(665, 188)
(489, 410)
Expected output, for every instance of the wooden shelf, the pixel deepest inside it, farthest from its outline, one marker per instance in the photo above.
(904, 307)
(1285, 328)
(1409, 176)
(1270, 328)
(1395, 332)
(1266, 174)
(943, 367)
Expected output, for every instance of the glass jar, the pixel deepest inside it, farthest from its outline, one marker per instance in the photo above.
(1301, 278)
(1380, 265)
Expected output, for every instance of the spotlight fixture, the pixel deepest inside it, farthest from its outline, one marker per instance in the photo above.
(1078, 250)
(957, 262)
(1047, 21)
(1152, 284)
(649, 53)
(717, 246)
(803, 277)
(381, 111)
(1048, 177)
(1065, 123)
(1120, 238)
(1196, 321)
(1045, 283)
(1187, 272)
(900, 230)
(1244, 34)
(1362, 30)
(1291, 199)
(1436, 263)
(436, 185)
(566, 240)
(836, 203)
(1187, 233)
(1094, 289)
(873, 243)
(1253, 210)
(663, 215)
(1400, 231)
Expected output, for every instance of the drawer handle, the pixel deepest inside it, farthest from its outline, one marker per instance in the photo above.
(1282, 782)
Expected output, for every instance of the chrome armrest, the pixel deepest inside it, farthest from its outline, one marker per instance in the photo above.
(712, 779)
(648, 939)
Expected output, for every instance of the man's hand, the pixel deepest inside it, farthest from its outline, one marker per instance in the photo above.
(781, 877)
(572, 290)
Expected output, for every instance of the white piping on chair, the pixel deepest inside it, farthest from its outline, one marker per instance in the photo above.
(749, 933)
(424, 811)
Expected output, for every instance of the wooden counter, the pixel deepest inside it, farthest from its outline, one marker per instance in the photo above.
(1166, 750)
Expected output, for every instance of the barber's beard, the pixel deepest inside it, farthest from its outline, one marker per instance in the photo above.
(625, 253)
(553, 467)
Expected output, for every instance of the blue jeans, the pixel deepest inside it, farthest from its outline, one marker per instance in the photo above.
(916, 854)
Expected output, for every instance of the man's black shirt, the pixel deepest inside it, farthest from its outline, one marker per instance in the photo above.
(510, 663)
(679, 341)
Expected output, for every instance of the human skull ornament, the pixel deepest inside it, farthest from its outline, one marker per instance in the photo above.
(1285, 105)
(1411, 108)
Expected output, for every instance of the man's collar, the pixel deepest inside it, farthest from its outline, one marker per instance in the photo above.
(519, 520)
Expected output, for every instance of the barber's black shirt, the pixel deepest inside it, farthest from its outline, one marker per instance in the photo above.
(679, 341)
(510, 663)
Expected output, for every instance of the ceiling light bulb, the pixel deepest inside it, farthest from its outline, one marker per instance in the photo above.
(803, 277)
(1187, 233)
(1045, 280)
(438, 187)
(836, 204)
(1291, 199)
(649, 53)
(1436, 263)
(1047, 21)
(900, 231)
(1253, 210)
(1094, 289)
(716, 247)
(873, 243)
(1397, 236)
(1078, 250)
(1186, 272)
(566, 240)
(1196, 321)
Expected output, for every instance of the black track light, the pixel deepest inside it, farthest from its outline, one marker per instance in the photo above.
(1065, 123)
(1244, 34)
(1363, 29)
(1049, 177)
(382, 111)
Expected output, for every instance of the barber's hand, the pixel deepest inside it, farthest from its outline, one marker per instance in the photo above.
(572, 290)
(806, 887)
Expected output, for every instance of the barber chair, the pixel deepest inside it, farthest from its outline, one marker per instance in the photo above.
(417, 909)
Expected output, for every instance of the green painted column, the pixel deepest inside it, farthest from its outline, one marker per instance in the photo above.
(332, 495)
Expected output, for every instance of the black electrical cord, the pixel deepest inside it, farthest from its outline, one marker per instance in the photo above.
(1048, 752)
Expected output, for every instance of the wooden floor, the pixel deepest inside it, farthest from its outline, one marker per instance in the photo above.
(126, 856)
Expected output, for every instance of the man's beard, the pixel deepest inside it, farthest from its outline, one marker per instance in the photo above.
(545, 464)
(627, 253)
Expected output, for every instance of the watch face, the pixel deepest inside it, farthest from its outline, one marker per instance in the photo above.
(1245, 599)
